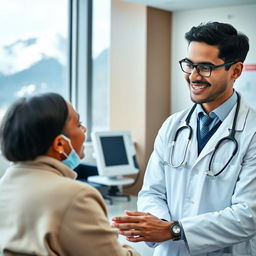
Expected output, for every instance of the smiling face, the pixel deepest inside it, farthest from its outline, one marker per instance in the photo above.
(214, 90)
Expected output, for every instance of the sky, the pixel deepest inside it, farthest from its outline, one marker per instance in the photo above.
(24, 19)
(21, 18)
(45, 20)
(101, 25)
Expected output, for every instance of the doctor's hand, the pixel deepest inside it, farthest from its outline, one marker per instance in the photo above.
(140, 226)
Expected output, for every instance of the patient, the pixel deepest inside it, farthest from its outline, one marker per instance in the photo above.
(44, 211)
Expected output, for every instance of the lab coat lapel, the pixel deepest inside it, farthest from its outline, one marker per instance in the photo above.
(193, 152)
(224, 130)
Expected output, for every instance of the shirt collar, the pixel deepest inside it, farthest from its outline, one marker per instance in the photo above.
(222, 111)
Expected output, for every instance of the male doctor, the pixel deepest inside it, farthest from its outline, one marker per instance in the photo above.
(199, 192)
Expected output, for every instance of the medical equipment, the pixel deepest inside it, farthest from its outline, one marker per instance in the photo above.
(230, 137)
(115, 156)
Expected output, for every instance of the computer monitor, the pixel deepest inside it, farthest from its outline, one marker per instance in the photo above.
(115, 156)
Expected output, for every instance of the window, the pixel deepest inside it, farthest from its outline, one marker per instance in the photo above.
(59, 46)
(100, 64)
(90, 33)
(33, 49)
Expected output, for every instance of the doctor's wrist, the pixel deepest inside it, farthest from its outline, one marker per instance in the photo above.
(175, 230)
(166, 234)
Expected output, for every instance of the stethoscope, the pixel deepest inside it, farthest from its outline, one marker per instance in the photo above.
(230, 137)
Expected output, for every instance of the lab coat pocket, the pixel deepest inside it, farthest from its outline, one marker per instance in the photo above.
(223, 159)
(230, 170)
(253, 246)
(221, 186)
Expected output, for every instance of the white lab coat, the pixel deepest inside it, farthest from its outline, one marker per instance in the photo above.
(218, 214)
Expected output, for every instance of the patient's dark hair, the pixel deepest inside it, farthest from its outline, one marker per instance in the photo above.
(30, 125)
(233, 45)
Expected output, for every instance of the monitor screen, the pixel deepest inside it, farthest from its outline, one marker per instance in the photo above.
(114, 150)
(115, 153)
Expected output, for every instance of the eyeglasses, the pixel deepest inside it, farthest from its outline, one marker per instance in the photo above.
(204, 70)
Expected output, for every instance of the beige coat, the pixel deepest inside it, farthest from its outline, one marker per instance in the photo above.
(44, 211)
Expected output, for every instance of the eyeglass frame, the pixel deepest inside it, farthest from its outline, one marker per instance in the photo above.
(211, 66)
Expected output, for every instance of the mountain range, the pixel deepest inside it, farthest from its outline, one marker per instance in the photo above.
(29, 66)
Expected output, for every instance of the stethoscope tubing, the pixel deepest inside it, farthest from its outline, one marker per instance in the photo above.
(230, 137)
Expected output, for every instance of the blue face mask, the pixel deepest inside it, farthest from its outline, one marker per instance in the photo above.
(72, 160)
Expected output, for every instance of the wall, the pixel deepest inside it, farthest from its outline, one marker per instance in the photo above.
(242, 17)
(127, 71)
(139, 74)
(158, 75)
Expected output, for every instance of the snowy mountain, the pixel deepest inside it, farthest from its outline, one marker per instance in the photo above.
(24, 53)
(32, 65)
(39, 64)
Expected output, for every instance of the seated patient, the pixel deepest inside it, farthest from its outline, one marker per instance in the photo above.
(43, 210)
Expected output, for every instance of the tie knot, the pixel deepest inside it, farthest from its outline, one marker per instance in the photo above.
(206, 120)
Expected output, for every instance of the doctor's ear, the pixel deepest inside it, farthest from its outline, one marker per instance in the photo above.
(236, 70)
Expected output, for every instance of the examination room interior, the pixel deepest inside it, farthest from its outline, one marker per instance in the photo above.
(144, 40)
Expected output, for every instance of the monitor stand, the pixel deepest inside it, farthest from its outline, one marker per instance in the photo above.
(111, 181)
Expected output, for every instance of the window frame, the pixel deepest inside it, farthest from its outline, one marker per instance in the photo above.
(80, 60)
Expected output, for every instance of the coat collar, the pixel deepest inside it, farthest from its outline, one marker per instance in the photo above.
(225, 128)
(48, 164)
(222, 131)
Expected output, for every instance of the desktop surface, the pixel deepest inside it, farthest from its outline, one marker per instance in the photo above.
(111, 181)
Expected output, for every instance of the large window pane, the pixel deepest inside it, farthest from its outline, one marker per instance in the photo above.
(100, 75)
(33, 49)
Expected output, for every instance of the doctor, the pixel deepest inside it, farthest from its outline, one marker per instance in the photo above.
(199, 191)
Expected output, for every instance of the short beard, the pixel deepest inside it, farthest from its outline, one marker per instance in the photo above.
(203, 100)
(200, 101)
(211, 98)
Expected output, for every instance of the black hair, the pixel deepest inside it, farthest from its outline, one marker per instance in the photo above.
(233, 45)
(30, 125)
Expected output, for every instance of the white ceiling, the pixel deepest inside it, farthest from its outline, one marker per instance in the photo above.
(177, 5)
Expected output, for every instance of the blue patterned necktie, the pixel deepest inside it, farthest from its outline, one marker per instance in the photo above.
(205, 121)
